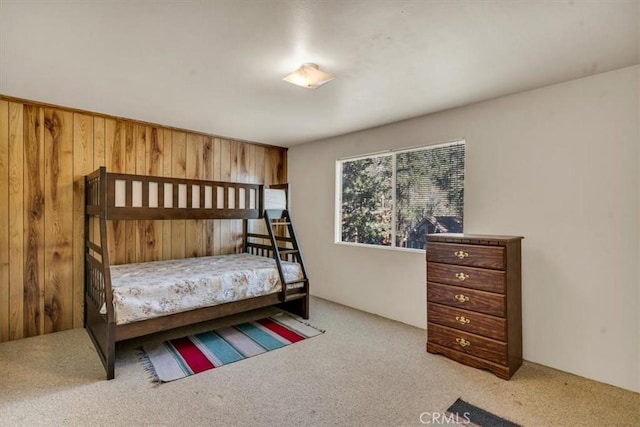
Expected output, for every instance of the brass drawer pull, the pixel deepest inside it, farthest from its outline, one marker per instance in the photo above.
(462, 277)
(461, 254)
(463, 342)
(463, 320)
(461, 298)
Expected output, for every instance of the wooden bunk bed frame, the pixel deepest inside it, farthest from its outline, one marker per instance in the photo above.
(101, 204)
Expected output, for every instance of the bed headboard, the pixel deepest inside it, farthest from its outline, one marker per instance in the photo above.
(120, 196)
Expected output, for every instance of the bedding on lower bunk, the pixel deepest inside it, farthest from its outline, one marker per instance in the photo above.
(152, 289)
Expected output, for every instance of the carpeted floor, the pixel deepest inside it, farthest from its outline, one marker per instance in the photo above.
(364, 370)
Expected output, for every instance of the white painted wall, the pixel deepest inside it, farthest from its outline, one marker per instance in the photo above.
(558, 165)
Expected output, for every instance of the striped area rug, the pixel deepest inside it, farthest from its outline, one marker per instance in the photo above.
(182, 357)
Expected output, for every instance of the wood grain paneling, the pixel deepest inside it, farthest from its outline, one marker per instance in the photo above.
(140, 143)
(83, 159)
(16, 221)
(130, 227)
(217, 224)
(178, 170)
(4, 221)
(239, 173)
(33, 221)
(259, 172)
(99, 157)
(207, 166)
(45, 151)
(275, 166)
(258, 226)
(115, 140)
(226, 245)
(58, 218)
(167, 170)
(232, 237)
(194, 229)
(99, 142)
(153, 231)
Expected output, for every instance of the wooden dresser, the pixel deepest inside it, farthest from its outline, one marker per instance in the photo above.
(474, 304)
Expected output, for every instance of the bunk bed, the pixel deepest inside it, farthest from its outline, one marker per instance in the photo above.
(132, 300)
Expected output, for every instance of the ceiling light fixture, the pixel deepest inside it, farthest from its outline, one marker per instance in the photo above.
(309, 76)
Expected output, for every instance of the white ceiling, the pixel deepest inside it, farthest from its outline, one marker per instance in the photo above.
(216, 66)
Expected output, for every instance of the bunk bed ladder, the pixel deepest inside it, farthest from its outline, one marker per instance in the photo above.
(276, 218)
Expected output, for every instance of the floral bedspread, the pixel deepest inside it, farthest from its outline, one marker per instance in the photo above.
(153, 289)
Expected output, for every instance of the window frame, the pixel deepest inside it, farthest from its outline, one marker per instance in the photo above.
(393, 154)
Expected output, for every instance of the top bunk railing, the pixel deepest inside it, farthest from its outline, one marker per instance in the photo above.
(135, 197)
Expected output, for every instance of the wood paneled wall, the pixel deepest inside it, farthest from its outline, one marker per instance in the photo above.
(45, 151)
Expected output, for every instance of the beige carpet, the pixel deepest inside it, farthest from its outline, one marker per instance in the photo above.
(364, 371)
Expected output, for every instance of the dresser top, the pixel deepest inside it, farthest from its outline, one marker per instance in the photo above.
(478, 239)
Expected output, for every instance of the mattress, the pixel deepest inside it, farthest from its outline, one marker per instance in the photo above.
(153, 289)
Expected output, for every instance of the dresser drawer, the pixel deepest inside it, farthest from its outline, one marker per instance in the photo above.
(455, 296)
(471, 255)
(468, 277)
(472, 344)
(468, 321)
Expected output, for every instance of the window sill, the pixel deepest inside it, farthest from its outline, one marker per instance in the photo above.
(388, 248)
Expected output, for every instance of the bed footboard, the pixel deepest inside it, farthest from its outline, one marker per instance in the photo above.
(101, 331)
(99, 320)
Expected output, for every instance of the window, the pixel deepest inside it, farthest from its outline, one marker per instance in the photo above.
(394, 199)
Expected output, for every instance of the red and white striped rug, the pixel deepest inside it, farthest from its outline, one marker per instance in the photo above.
(179, 358)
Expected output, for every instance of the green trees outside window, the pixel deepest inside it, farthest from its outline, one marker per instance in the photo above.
(395, 199)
